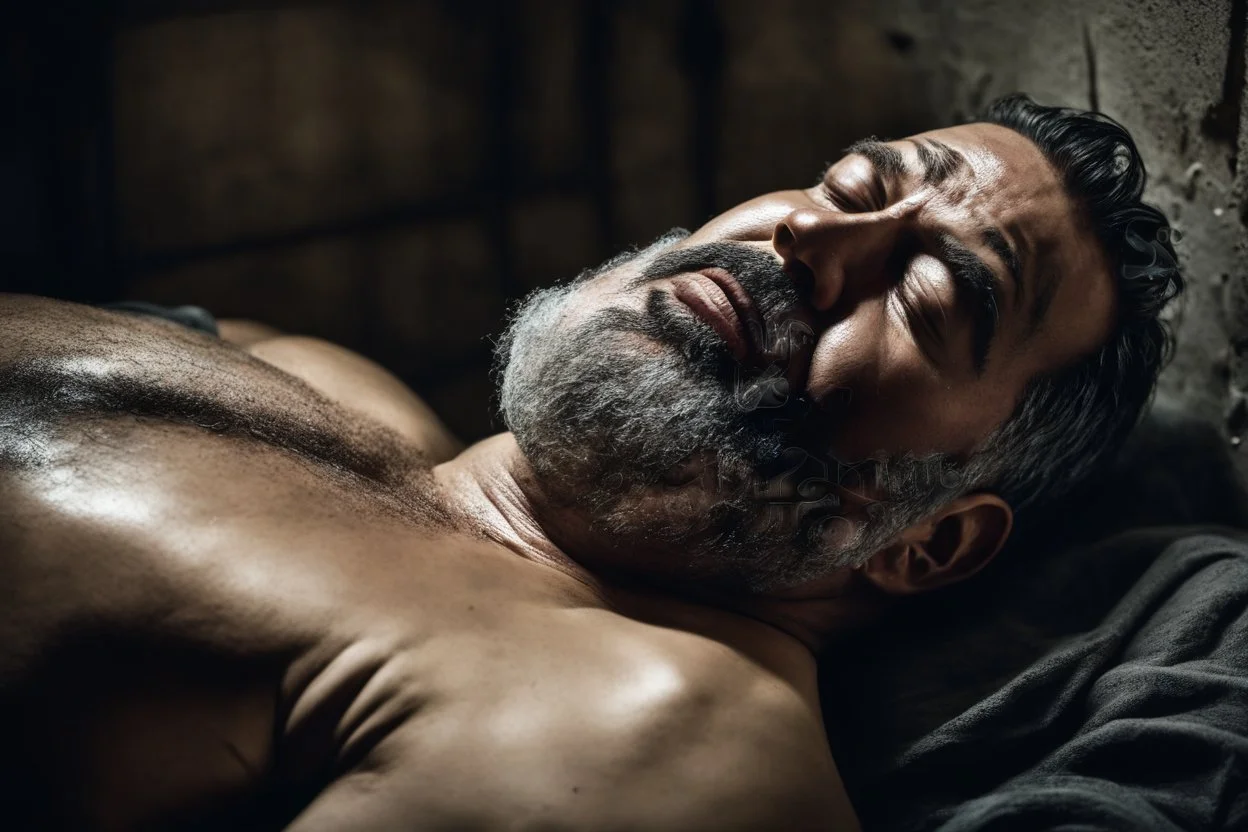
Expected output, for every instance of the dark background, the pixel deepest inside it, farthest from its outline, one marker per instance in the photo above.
(391, 175)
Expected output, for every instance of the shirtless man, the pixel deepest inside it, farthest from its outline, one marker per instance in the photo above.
(247, 583)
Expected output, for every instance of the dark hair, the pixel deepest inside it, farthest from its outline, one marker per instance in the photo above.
(1070, 420)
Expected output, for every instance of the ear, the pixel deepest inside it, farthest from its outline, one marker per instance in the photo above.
(947, 547)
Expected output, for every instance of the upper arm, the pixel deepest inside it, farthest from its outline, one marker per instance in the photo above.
(730, 790)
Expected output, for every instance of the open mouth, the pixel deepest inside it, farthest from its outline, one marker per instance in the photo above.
(714, 296)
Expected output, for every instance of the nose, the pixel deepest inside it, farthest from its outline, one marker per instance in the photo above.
(832, 252)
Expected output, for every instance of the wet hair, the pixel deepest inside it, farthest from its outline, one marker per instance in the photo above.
(1071, 420)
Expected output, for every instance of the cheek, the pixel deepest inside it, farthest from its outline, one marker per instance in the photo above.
(883, 394)
(845, 358)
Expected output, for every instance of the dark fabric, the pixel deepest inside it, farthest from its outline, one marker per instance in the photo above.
(1140, 724)
(192, 317)
(1097, 679)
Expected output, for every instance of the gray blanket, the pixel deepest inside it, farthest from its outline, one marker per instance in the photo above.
(1097, 680)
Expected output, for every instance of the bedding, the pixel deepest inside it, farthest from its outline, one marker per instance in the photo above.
(1097, 679)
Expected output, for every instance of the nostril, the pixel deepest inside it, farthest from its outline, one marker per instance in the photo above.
(782, 238)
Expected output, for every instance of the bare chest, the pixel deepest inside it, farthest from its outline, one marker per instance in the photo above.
(256, 630)
(222, 624)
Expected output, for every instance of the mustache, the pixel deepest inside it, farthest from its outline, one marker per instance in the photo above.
(758, 272)
(771, 290)
(760, 395)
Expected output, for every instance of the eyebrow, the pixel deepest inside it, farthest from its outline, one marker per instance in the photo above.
(938, 160)
(886, 159)
(977, 290)
(1013, 254)
(997, 242)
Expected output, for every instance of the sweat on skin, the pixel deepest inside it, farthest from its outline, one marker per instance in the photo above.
(605, 618)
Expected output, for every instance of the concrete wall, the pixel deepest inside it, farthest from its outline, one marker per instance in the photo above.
(392, 174)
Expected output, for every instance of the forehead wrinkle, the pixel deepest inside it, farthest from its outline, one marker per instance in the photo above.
(1037, 247)
(1039, 268)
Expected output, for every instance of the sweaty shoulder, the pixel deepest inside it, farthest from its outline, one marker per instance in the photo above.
(617, 726)
(713, 742)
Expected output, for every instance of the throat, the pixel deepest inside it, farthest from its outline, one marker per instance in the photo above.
(487, 486)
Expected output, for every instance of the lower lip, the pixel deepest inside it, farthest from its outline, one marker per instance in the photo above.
(708, 302)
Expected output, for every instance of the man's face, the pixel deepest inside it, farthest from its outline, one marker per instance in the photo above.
(732, 396)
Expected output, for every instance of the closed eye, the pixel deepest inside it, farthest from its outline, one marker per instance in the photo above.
(917, 326)
(855, 185)
(918, 298)
(922, 314)
(851, 201)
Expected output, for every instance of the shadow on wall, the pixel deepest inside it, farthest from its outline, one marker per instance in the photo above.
(390, 175)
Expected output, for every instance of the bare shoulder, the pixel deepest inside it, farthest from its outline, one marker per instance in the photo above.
(613, 730)
(735, 748)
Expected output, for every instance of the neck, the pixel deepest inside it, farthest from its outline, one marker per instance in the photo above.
(493, 484)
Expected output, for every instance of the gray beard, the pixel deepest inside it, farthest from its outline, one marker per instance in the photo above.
(645, 424)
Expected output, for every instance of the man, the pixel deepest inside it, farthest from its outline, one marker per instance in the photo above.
(251, 588)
